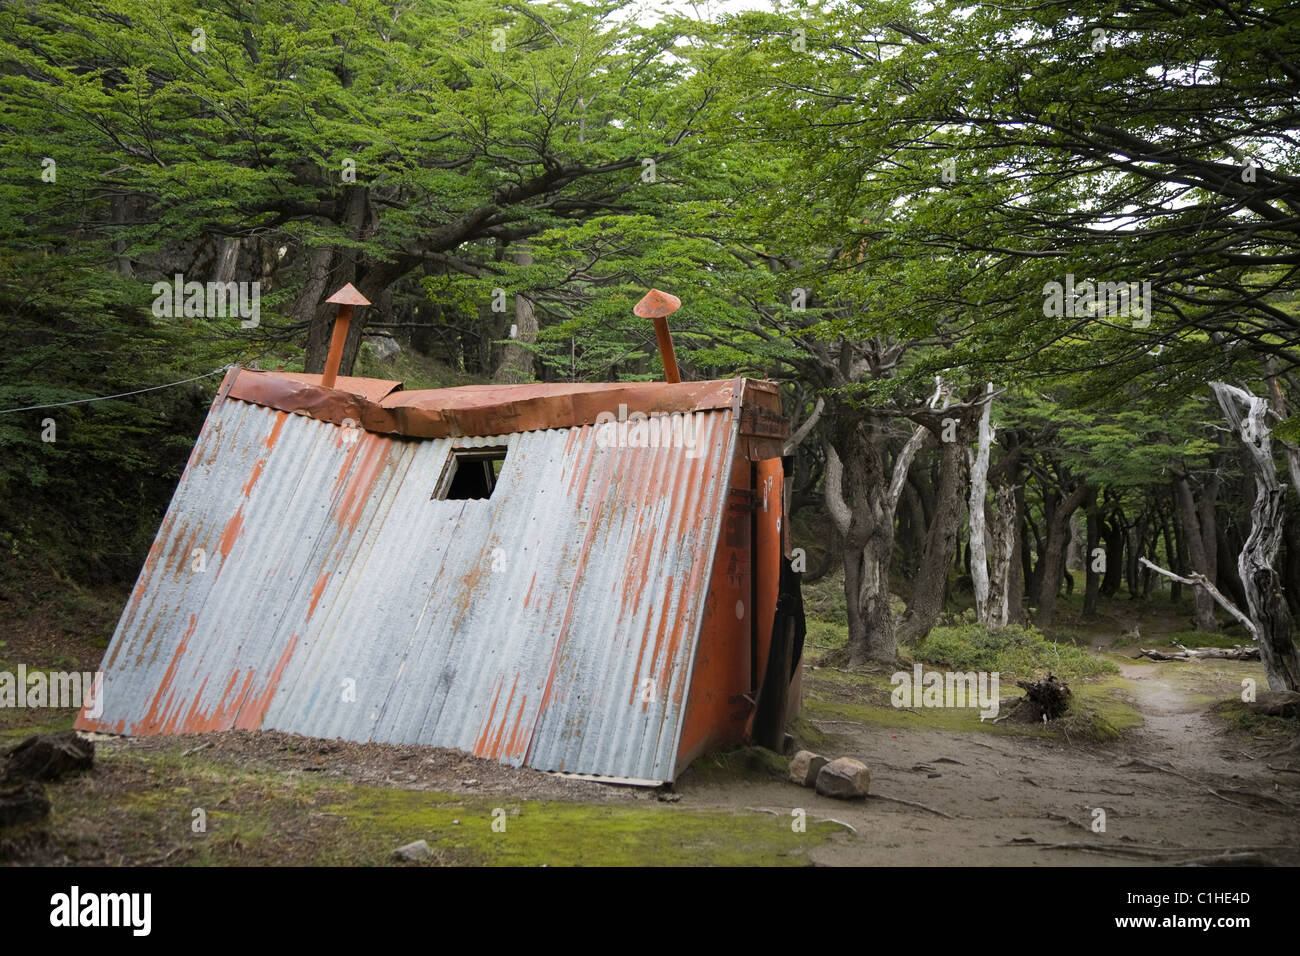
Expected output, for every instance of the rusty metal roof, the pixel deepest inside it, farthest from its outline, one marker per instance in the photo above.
(306, 580)
(384, 408)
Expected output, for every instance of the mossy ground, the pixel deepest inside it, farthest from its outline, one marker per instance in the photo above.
(142, 809)
(554, 833)
(1103, 707)
(1237, 715)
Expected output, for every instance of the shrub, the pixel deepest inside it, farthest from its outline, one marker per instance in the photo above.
(1013, 650)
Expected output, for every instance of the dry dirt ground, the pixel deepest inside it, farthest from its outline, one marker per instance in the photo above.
(1183, 787)
(1181, 784)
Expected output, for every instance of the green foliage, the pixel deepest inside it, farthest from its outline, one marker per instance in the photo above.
(1012, 650)
(1199, 639)
(89, 500)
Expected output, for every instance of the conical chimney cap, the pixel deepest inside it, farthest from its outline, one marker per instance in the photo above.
(656, 304)
(348, 295)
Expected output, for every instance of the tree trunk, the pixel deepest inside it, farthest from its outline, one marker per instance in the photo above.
(979, 485)
(1190, 517)
(1180, 544)
(1264, 602)
(1113, 536)
(862, 505)
(1004, 582)
(516, 364)
(940, 546)
(1225, 566)
(1053, 560)
(1135, 536)
(1091, 566)
(1034, 578)
(1024, 552)
(911, 531)
(1175, 588)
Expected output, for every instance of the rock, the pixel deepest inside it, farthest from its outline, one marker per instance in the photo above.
(1276, 703)
(49, 757)
(419, 850)
(844, 779)
(23, 804)
(804, 767)
(384, 346)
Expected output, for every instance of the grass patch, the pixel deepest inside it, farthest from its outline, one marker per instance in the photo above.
(1238, 716)
(1012, 651)
(823, 600)
(557, 833)
(16, 723)
(865, 697)
(825, 634)
(1197, 639)
(807, 735)
(1100, 710)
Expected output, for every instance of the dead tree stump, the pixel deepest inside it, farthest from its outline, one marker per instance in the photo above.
(49, 757)
(1048, 698)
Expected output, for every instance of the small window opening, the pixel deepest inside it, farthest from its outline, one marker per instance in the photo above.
(470, 473)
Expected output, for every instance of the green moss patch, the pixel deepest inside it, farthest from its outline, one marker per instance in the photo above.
(533, 833)
(142, 809)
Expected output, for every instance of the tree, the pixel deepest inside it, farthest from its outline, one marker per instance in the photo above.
(356, 142)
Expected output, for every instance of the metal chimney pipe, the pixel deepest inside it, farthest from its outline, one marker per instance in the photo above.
(658, 306)
(346, 299)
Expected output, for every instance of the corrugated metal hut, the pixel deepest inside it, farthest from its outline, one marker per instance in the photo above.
(578, 578)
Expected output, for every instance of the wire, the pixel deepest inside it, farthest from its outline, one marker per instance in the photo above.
(105, 398)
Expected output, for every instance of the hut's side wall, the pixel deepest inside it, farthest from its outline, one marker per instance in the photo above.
(740, 610)
(553, 625)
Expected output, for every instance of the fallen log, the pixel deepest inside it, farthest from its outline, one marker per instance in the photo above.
(1235, 653)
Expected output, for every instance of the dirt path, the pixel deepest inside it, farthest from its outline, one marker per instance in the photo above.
(1003, 799)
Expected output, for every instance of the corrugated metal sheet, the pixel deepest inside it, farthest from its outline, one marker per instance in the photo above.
(552, 625)
(508, 409)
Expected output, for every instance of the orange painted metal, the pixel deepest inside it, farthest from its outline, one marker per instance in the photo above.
(508, 409)
(769, 499)
(665, 337)
(745, 582)
(655, 305)
(658, 306)
(341, 323)
(346, 298)
(348, 295)
(371, 389)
